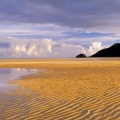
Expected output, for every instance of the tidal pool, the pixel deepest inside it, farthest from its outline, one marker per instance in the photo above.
(9, 74)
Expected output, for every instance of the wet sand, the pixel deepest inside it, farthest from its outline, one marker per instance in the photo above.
(83, 89)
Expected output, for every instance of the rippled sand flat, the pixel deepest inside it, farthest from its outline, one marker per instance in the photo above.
(82, 89)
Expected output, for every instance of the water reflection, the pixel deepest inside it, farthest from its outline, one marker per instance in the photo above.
(8, 74)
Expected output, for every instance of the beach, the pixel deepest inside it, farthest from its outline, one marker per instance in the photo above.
(64, 88)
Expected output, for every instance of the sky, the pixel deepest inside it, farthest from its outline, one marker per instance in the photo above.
(57, 28)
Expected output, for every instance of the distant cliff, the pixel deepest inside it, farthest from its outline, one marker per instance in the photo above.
(113, 51)
(81, 56)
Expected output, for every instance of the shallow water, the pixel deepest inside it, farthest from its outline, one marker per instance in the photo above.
(9, 74)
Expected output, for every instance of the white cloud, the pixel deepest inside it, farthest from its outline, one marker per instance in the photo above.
(61, 49)
(44, 48)
(96, 46)
(26, 48)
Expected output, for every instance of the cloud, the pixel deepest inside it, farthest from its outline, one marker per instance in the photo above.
(48, 40)
(96, 46)
(26, 48)
(57, 28)
(52, 31)
(71, 50)
(88, 14)
(44, 48)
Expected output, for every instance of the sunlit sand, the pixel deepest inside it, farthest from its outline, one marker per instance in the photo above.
(84, 89)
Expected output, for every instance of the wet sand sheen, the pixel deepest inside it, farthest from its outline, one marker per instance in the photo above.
(9, 74)
(67, 89)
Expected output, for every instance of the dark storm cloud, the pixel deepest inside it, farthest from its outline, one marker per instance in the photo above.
(73, 13)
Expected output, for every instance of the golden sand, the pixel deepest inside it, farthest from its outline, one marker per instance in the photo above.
(83, 89)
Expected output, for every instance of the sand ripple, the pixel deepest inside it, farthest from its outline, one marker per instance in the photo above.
(32, 106)
(67, 90)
